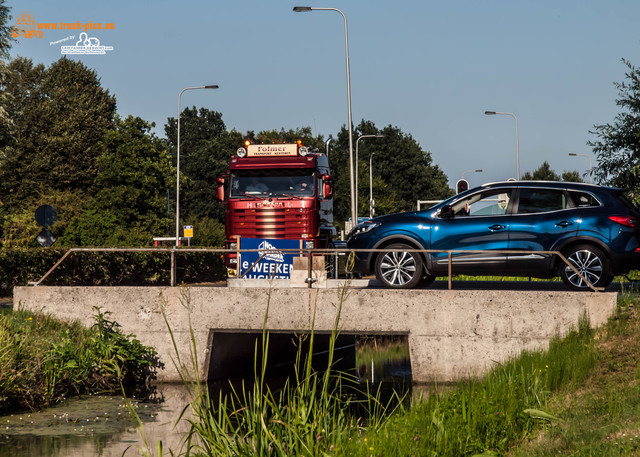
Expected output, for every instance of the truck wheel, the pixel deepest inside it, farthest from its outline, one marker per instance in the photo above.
(400, 270)
(592, 265)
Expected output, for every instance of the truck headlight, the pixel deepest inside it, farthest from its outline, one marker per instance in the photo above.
(310, 244)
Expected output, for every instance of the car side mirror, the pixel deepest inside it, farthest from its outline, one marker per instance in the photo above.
(446, 212)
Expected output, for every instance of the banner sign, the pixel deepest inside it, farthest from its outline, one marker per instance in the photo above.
(272, 150)
(274, 264)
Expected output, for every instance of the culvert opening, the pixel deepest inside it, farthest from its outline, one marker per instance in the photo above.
(381, 360)
(235, 354)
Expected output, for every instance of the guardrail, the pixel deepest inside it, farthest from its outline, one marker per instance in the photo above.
(309, 253)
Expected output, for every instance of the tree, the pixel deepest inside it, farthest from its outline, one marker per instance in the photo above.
(6, 38)
(545, 173)
(618, 149)
(60, 115)
(571, 176)
(20, 228)
(403, 172)
(289, 136)
(129, 204)
(205, 150)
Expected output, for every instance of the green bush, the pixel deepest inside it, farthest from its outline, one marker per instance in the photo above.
(43, 359)
(20, 266)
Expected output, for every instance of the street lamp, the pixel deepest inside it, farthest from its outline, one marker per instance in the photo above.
(301, 9)
(573, 154)
(377, 135)
(470, 171)
(178, 161)
(490, 113)
(371, 185)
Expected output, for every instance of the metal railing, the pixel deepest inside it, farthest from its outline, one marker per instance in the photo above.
(310, 253)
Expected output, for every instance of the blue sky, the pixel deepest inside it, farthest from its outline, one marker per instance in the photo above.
(429, 68)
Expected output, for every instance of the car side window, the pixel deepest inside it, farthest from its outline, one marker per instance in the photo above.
(488, 203)
(541, 200)
(583, 199)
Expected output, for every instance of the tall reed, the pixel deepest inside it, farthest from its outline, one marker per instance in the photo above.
(311, 415)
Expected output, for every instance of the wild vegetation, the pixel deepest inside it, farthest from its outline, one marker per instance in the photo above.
(579, 397)
(44, 360)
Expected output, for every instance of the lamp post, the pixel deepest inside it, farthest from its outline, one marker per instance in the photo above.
(470, 171)
(490, 113)
(178, 160)
(377, 135)
(301, 9)
(573, 154)
(371, 185)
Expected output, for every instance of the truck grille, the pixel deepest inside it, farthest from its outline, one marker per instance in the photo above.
(271, 222)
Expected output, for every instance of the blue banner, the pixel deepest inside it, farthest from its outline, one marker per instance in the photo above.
(275, 264)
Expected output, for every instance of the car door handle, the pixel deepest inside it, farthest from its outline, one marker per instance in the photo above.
(564, 224)
(495, 227)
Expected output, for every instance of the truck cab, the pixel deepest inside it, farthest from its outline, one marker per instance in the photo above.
(277, 191)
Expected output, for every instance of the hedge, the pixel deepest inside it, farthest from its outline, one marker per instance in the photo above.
(19, 266)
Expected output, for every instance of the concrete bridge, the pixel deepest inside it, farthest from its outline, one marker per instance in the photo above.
(452, 334)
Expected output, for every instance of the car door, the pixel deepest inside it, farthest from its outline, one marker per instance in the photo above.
(479, 221)
(542, 218)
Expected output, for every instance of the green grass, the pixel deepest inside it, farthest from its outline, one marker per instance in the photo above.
(44, 359)
(489, 415)
(601, 417)
(515, 406)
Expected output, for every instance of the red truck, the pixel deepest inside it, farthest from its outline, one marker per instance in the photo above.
(277, 191)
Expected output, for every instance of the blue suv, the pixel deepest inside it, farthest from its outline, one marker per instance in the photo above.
(594, 227)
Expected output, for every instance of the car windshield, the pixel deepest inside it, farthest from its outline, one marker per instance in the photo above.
(272, 183)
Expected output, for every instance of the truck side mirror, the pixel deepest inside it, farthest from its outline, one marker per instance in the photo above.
(220, 189)
(327, 186)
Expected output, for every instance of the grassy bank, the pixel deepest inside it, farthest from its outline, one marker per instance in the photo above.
(43, 359)
(579, 397)
(601, 416)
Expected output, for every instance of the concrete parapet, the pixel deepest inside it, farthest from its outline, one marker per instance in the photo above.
(452, 334)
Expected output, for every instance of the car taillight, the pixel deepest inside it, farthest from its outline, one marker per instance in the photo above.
(627, 221)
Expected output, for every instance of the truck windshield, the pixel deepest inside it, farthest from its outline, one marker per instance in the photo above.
(272, 183)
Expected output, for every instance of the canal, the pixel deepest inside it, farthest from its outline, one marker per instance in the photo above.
(95, 425)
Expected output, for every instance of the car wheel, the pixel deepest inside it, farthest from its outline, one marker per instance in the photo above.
(592, 265)
(400, 270)
(427, 280)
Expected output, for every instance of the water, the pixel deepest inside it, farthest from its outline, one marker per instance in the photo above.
(101, 426)
(94, 426)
